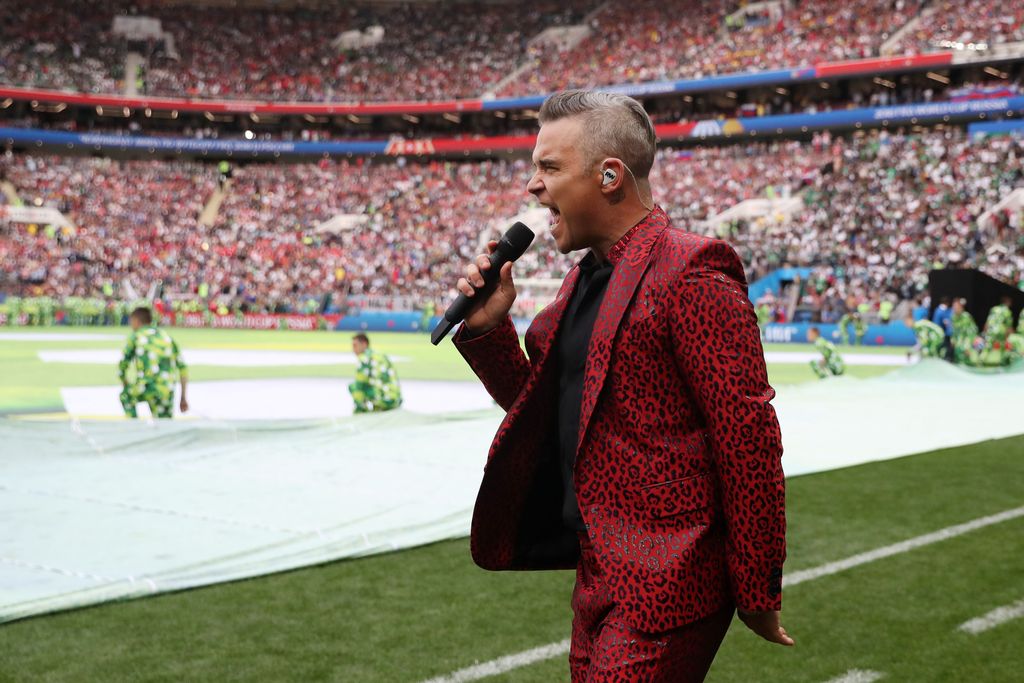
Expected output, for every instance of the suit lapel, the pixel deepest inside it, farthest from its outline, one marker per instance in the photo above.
(629, 266)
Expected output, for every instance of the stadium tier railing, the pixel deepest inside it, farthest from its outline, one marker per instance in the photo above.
(775, 77)
(760, 127)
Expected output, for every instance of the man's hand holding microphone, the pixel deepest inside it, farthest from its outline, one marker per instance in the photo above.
(486, 292)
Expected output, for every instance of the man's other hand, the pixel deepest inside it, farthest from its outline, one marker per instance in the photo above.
(766, 625)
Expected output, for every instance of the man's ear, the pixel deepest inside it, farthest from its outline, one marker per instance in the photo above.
(613, 174)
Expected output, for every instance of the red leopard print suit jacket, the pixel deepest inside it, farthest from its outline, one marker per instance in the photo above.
(678, 470)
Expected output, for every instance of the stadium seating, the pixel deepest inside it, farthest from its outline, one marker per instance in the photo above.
(880, 211)
(645, 41)
(955, 25)
(435, 51)
(429, 50)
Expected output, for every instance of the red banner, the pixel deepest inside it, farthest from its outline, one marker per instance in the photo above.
(667, 131)
(882, 64)
(822, 70)
(243, 106)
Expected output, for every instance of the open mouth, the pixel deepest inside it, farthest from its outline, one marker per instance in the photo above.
(555, 218)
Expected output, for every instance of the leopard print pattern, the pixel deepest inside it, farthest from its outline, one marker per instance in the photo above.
(678, 470)
(606, 649)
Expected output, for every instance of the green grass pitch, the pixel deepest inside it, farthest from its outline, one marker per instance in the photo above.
(415, 614)
(32, 385)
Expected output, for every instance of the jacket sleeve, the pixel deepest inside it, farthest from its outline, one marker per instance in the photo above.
(497, 359)
(717, 346)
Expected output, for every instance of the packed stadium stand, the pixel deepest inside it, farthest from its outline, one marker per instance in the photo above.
(459, 50)
(948, 23)
(877, 212)
(647, 45)
(426, 51)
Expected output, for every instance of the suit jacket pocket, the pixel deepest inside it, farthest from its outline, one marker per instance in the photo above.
(689, 494)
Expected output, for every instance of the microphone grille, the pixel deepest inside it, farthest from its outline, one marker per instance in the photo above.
(519, 238)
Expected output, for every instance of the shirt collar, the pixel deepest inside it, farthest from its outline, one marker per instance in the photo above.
(590, 264)
(618, 249)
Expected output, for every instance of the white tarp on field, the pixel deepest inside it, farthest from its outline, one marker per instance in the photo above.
(106, 510)
(282, 399)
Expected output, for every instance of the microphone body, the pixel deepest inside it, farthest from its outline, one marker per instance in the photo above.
(511, 246)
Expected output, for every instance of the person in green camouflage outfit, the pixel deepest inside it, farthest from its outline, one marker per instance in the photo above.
(1000, 321)
(1015, 344)
(998, 327)
(764, 315)
(376, 386)
(855, 318)
(429, 311)
(30, 309)
(965, 331)
(47, 309)
(929, 337)
(12, 307)
(150, 368)
(885, 308)
(831, 363)
(1016, 341)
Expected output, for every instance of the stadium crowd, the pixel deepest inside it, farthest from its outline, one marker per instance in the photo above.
(987, 21)
(879, 211)
(893, 208)
(461, 49)
(427, 51)
(137, 223)
(638, 42)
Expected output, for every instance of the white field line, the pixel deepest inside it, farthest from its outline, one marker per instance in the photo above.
(857, 676)
(506, 663)
(520, 659)
(1000, 615)
(901, 547)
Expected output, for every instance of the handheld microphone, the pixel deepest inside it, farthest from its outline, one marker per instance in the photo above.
(511, 246)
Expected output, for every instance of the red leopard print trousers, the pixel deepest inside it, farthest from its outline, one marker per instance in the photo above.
(607, 650)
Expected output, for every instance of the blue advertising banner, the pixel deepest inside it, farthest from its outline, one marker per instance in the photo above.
(874, 116)
(893, 334)
(1006, 127)
(169, 144)
(710, 128)
(773, 281)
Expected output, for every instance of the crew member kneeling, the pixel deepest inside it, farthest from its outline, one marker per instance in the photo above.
(376, 386)
(150, 367)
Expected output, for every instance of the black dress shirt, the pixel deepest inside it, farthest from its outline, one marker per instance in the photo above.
(573, 341)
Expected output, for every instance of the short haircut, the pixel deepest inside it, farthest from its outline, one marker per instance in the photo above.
(361, 338)
(143, 315)
(814, 329)
(616, 126)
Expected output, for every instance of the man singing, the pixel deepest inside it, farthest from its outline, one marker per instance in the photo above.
(639, 445)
